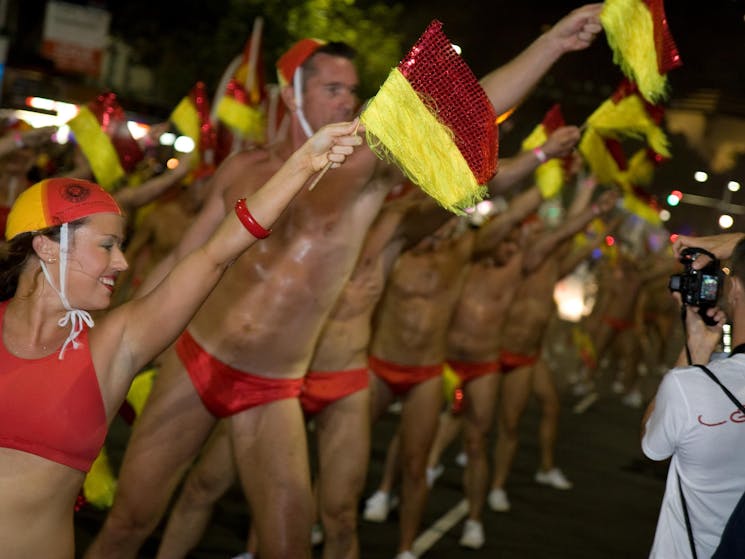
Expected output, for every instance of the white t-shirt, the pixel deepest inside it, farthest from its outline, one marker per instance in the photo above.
(701, 428)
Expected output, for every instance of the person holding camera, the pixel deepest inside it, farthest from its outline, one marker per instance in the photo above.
(691, 419)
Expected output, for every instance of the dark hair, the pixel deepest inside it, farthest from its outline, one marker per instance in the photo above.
(332, 48)
(14, 255)
(737, 261)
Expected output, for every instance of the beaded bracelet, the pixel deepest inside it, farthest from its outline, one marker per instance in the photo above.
(248, 221)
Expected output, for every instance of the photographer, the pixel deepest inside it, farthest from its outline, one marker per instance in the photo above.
(693, 421)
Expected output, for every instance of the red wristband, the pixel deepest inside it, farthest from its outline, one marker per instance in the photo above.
(248, 221)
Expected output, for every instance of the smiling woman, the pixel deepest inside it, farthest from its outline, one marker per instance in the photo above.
(61, 379)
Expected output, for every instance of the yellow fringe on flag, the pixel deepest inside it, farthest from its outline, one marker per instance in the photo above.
(640, 208)
(249, 122)
(99, 485)
(549, 176)
(628, 117)
(400, 128)
(641, 168)
(598, 158)
(450, 381)
(140, 389)
(97, 148)
(186, 119)
(629, 29)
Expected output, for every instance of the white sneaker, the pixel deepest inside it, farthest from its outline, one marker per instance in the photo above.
(378, 506)
(473, 535)
(583, 388)
(406, 555)
(554, 477)
(633, 399)
(316, 535)
(433, 474)
(498, 501)
(461, 459)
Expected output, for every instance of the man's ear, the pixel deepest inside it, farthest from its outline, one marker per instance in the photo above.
(288, 97)
(46, 249)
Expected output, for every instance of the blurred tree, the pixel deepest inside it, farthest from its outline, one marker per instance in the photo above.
(189, 40)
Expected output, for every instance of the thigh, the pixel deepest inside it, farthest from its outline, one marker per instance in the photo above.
(166, 436)
(481, 399)
(271, 454)
(514, 393)
(381, 397)
(420, 416)
(215, 470)
(544, 386)
(343, 431)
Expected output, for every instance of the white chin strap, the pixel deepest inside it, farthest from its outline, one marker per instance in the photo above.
(74, 317)
(297, 87)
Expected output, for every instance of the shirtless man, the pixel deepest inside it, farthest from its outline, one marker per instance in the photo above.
(522, 368)
(320, 237)
(621, 280)
(335, 394)
(407, 353)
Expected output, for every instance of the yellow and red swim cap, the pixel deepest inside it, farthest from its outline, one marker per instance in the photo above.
(52, 202)
(294, 58)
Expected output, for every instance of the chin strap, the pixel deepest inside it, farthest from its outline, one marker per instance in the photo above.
(297, 87)
(75, 318)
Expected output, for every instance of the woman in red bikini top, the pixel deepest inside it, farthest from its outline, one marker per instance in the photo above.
(61, 379)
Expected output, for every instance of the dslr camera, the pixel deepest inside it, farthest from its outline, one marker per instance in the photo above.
(698, 288)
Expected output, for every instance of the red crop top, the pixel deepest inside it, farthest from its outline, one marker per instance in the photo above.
(50, 407)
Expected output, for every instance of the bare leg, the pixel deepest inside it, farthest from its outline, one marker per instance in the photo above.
(271, 452)
(481, 396)
(515, 391)
(544, 388)
(418, 427)
(448, 429)
(343, 430)
(164, 442)
(211, 477)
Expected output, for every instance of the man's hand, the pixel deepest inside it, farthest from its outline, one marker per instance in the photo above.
(607, 201)
(720, 246)
(332, 144)
(578, 29)
(561, 141)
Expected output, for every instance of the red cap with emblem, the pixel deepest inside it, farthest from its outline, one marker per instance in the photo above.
(52, 202)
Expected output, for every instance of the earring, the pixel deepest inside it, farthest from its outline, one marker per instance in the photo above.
(52, 260)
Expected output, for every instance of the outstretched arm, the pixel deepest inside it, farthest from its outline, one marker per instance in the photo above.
(134, 197)
(181, 293)
(511, 170)
(507, 85)
(548, 242)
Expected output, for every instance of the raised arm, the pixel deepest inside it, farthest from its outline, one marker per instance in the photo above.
(573, 224)
(507, 85)
(511, 170)
(184, 289)
(133, 197)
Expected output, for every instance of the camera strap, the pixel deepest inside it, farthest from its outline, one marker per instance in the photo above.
(738, 349)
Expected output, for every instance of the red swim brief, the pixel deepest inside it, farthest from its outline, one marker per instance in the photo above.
(509, 361)
(469, 370)
(618, 324)
(226, 391)
(402, 378)
(322, 388)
